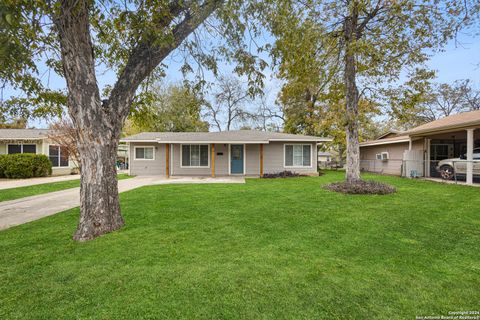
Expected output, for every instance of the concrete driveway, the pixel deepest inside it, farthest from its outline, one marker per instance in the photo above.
(27, 209)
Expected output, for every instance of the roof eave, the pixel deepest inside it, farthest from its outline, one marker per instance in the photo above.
(302, 139)
(26, 138)
(132, 140)
(445, 128)
(377, 143)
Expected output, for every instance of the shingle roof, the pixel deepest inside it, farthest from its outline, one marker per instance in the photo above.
(246, 136)
(465, 119)
(397, 139)
(456, 121)
(23, 134)
(324, 154)
(392, 133)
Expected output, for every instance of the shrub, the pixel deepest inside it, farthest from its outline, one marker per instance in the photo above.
(24, 165)
(361, 187)
(42, 166)
(3, 162)
(282, 174)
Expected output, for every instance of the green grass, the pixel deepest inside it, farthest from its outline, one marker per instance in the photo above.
(269, 249)
(22, 192)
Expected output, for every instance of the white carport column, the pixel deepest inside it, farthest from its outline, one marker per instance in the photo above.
(470, 156)
(410, 144)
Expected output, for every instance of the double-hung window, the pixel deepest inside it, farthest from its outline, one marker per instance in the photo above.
(144, 153)
(58, 156)
(298, 155)
(22, 148)
(195, 155)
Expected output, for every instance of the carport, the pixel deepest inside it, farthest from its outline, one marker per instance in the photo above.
(450, 138)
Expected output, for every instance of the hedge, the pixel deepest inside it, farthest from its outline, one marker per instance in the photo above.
(24, 165)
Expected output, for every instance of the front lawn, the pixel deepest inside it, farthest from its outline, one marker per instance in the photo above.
(22, 192)
(269, 249)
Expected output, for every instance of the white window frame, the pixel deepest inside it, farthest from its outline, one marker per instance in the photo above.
(143, 147)
(292, 144)
(59, 156)
(21, 147)
(193, 144)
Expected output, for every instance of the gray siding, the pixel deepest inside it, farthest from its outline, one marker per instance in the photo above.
(272, 161)
(273, 158)
(392, 166)
(221, 162)
(148, 167)
(252, 158)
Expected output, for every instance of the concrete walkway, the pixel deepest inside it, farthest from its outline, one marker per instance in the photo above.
(15, 183)
(460, 183)
(28, 209)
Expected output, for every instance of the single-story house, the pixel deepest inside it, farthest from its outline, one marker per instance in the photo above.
(418, 151)
(36, 141)
(324, 156)
(242, 152)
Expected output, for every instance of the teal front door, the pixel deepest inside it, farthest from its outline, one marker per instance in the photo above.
(236, 159)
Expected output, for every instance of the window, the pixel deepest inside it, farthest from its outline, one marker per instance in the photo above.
(22, 148)
(58, 156)
(29, 148)
(476, 154)
(298, 155)
(144, 153)
(195, 155)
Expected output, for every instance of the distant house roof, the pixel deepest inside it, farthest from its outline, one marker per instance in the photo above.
(239, 136)
(32, 134)
(324, 154)
(389, 134)
(397, 139)
(457, 121)
(460, 120)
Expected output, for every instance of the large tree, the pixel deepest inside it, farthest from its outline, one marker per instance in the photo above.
(421, 101)
(173, 108)
(78, 40)
(363, 44)
(229, 106)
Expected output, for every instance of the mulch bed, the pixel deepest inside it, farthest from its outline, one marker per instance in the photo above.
(361, 187)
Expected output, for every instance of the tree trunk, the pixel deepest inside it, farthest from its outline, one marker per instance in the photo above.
(99, 205)
(98, 123)
(351, 96)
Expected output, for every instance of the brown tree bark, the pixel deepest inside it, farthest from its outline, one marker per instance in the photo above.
(351, 96)
(99, 123)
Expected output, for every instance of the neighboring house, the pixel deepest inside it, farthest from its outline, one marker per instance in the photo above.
(243, 152)
(418, 151)
(324, 157)
(35, 141)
